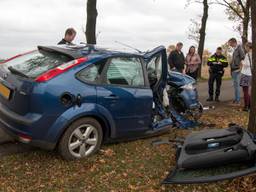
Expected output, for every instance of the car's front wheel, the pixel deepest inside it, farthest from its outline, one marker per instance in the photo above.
(82, 139)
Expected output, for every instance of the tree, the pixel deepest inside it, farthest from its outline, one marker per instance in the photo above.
(92, 14)
(194, 30)
(252, 119)
(202, 33)
(239, 12)
(200, 36)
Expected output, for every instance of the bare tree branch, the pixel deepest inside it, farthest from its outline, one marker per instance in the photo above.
(229, 6)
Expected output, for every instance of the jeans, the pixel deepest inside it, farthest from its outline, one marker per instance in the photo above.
(236, 84)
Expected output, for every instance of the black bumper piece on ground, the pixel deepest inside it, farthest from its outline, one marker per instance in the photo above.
(214, 155)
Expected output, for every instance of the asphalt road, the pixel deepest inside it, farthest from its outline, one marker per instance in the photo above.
(226, 94)
(7, 146)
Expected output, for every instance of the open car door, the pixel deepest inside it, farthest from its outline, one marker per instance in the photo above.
(156, 66)
(214, 155)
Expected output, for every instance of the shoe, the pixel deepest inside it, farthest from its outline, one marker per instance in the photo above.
(209, 99)
(217, 99)
(236, 102)
(246, 109)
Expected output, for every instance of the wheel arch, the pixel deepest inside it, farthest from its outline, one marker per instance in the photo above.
(106, 128)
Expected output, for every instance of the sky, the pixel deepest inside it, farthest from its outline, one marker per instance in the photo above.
(143, 24)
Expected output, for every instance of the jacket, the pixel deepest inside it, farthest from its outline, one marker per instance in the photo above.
(64, 42)
(238, 56)
(176, 59)
(192, 62)
(217, 63)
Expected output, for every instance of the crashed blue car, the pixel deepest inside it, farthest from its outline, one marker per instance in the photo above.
(75, 98)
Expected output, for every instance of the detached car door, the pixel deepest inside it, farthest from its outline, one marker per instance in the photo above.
(126, 94)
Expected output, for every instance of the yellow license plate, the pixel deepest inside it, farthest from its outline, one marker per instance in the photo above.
(4, 91)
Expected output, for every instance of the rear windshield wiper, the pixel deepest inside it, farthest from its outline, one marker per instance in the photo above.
(17, 72)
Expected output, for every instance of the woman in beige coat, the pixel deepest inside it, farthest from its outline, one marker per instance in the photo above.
(192, 63)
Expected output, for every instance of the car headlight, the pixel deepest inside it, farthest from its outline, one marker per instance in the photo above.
(189, 86)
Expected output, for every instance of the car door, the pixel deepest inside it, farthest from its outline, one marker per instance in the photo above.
(124, 92)
(156, 66)
(156, 60)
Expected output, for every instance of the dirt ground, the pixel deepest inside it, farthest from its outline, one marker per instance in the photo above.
(129, 166)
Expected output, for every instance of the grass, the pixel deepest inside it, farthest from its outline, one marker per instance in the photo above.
(130, 166)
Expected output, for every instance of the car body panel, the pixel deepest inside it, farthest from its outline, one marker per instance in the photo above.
(178, 79)
(196, 177)
(130, 116)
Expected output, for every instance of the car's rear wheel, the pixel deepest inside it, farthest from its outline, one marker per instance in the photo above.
(82, 139)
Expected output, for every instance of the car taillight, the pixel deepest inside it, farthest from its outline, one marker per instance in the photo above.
(24, 138)
(59, 70)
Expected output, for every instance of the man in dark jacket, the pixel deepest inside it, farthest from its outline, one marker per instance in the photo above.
(238, 56)
(70, 35)
(216, 63)
(176, 59)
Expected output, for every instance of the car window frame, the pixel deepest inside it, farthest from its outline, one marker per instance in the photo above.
(99, 82)
(105, 69)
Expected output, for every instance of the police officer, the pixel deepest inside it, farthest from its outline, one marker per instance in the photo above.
(216, 63)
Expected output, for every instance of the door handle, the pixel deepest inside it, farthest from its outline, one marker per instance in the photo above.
(112, 97)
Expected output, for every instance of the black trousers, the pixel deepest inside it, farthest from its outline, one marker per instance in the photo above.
(215, 77)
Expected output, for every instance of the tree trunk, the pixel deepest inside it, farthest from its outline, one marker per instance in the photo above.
(203, 34)
(91, 21)
(245, 30)
(246, 21)
(252, 120)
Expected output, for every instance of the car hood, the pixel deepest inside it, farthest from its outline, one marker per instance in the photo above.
(179, 79)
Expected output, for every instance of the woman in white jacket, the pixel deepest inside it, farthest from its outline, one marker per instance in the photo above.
(246, 76)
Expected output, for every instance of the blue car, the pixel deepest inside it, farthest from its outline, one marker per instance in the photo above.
(75, 98)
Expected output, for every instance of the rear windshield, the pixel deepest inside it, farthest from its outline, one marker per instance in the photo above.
(37, 62)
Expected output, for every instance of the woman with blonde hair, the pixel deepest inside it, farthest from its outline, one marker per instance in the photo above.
(192, 62)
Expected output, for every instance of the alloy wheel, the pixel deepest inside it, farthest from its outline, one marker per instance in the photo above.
(83, 141)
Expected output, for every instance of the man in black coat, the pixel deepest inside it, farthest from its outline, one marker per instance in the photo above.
(176, 59)
(70, 35)
(216, 63)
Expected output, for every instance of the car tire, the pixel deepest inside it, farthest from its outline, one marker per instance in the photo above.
(82, 139)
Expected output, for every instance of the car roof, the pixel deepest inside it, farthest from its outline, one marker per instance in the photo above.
(78, 51)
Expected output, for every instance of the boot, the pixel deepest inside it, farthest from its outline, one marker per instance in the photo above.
(210, 98)
(246, 108)
(217, 99)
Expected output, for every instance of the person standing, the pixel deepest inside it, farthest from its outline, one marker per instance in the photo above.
(176, 59)
(192, 63)
(70, 35)
(216, 63)
(238, 56)
(246, 76)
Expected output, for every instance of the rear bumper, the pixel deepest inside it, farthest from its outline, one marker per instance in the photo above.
(16, 125)
(24, 120)
(14, 133)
